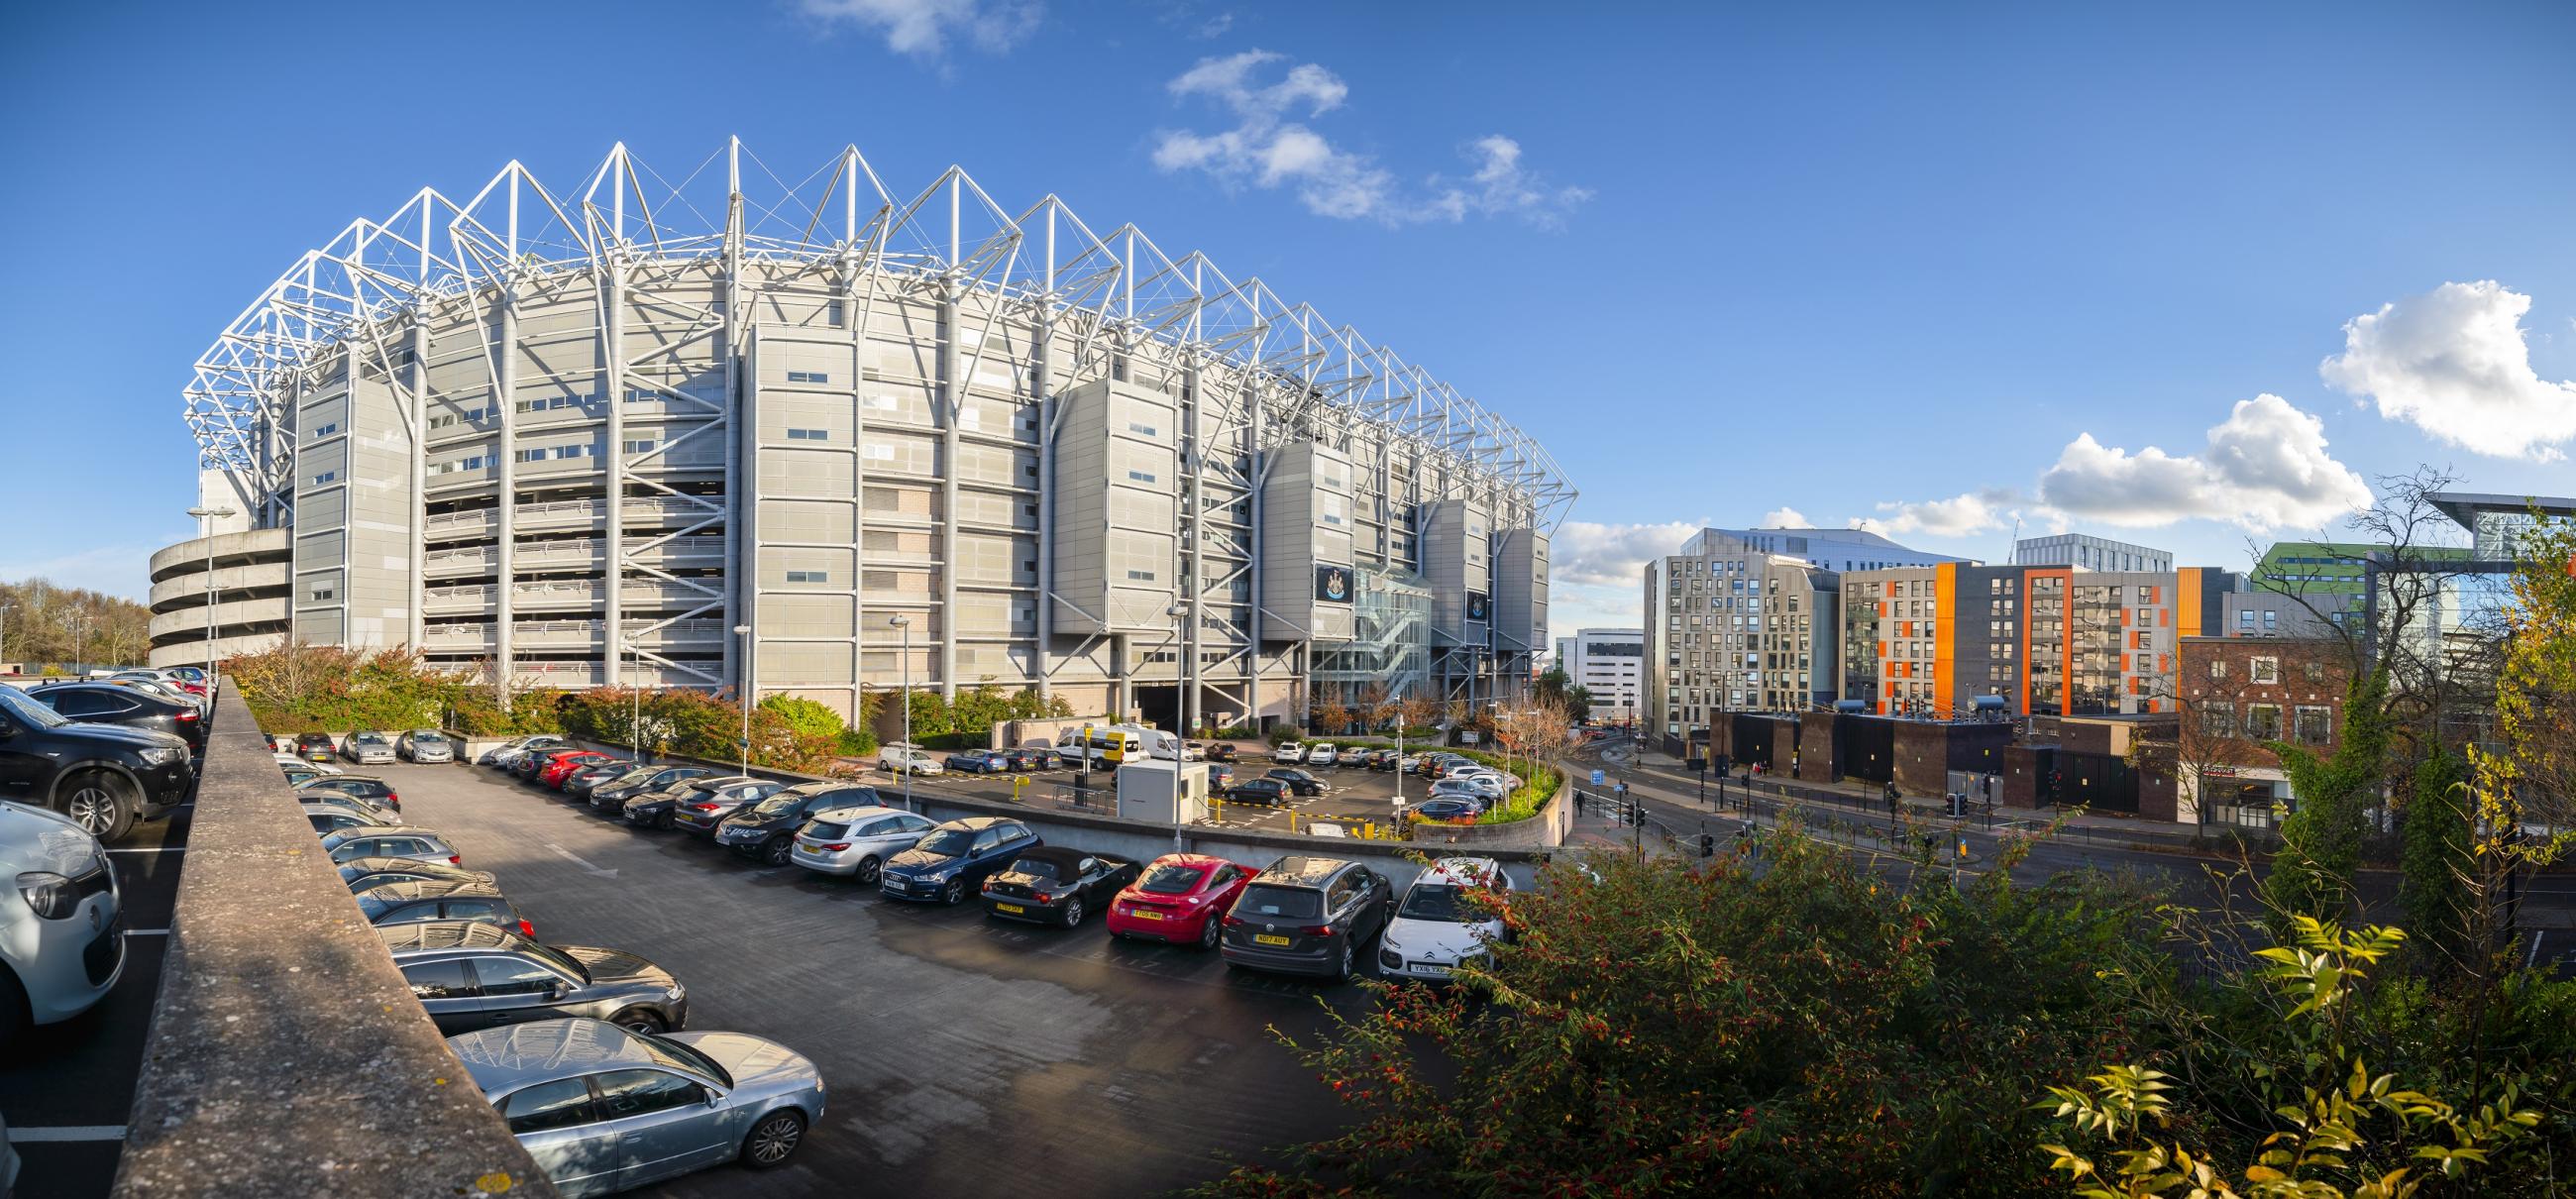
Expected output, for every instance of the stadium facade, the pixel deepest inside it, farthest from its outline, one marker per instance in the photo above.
(583, 437)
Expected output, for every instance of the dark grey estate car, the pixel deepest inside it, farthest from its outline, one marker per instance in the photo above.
(367, 873)
(445, 899)
(470, 975)
(1306, 915)
(610, 798)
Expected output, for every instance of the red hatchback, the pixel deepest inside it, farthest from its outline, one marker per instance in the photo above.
(560, 767)
(1182, 898)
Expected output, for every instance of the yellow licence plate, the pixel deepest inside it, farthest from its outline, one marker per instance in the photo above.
(1012, 908)
(1147, 914)
(1268, 939)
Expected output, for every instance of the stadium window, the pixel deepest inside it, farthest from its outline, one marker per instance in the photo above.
(322, 431)
(808, 377)
(641, 447)
(1141, 576)
(809, 576)
(1147, 430)
(809, 435)
(325, 477)
(1141, 476)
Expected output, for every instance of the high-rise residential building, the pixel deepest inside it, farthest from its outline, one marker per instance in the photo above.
(1745, 620)
(1609, 663)
(1942, 641)
(2084, 552)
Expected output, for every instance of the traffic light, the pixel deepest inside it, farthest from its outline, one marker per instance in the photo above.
(1707, 846)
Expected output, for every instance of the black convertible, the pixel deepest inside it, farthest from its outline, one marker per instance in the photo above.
(1055, 885)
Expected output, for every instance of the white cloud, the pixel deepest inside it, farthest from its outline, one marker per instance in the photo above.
(1786, 518)
(2264, 467)
(1963, 515)
(1587, 553)
(924, 28)
(1270, 146)
(2453, 362)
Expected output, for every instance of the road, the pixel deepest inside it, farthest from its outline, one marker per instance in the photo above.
(963, 1055)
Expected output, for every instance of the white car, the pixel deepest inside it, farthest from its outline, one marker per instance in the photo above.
(286, 759)
(1194, 751)
(1289, 753)
(63, 938)
(904, 759)
(1434, 928)
(856, 841)
(1323, 755)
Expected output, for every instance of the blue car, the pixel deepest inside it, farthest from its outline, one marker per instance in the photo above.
(1445, 810)
(979, 761)
(952, 861)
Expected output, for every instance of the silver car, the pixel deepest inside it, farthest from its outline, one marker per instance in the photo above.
(390, 841)
(857, 841)
(425, 745)
(368, 749)
(603, 1109)
(63, 937)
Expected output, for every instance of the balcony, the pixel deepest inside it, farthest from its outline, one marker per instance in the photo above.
(554, 596)
(560, 514)
(471, 560)
(555, 634)
(471, 597)
(456, 526)
(453, 637)
(696, 549)
(557, 555)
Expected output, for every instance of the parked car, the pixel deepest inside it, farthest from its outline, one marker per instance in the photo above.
(426, 746)
(1306, 915)
(1438, 926)
(560, 767)
(301, 773)
(507, 753)
(580, 783)
(316, 747)
(530, 766)
(905, 759)
(1289, 753)
(364, 873)
(287, 760)
(977, 761)
(857, 841)
(1409, 764)
(331, 816)
(1261, 790)
(1181, 898)
(106, 777)
(471, 975)
(1053, 884)
(350, 844)
(1447, 810)
(602, 1109)
(1031, 758)
(62, 942)
(367, 787)
(766, 827)
(368, 749)
(93, 703)
(955, 858)
(610, 798)
(1323, 755)
(1298, 781)
(1221, 751)
(415, 903)
(1483, 787)
(709, 801)
(1220, 776)
(663, 809)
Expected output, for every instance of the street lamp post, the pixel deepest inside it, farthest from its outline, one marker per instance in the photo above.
(635, 723)
(744, 631)
(80, 659)
(210, 515)
(903, 624)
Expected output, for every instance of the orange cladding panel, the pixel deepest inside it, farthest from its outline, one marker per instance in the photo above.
(2188, 580)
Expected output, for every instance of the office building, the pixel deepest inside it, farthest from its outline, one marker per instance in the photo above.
(2082, 552)
(1610, 664)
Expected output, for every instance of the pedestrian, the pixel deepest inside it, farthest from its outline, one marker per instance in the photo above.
(1578, 803)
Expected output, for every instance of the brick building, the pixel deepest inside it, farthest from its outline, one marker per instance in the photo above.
(2239, 693)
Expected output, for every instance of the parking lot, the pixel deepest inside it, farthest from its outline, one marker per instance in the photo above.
(1352, 796)
(962, 1054)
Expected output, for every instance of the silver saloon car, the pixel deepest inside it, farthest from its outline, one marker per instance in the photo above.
(857, 841)
(604, 1110)
(368, 749)
(425, 745)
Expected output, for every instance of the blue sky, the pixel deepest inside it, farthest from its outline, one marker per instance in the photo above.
(1942, 267)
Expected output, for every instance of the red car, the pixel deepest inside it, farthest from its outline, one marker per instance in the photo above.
(1181, 898)
(562, 765)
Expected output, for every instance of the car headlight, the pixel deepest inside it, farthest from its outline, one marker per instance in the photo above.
(1389, 943)
(162, 755)
(50, 894)
(673, 993)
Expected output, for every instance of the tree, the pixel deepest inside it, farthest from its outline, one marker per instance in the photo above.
(2434, 825)
(1418, 710)
(1376, 706)
(1331, 717)
(1533, 733)
(2321, 841)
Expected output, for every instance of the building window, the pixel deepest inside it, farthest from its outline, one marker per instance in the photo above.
(325, 477)
(1141, 476)
(322, 431)
(1147, 430)
(2263, 722)
(809, 576)
(2313, 725)
(809, 435)
(2265, 670)
(641, 447)
(2218, 720)
(1141, 576)
(808, 377)
(2218, 669)
(2314, 672)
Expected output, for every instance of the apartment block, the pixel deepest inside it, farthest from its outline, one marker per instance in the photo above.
(1946, 641)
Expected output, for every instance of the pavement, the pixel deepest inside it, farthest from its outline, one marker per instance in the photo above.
(964, 1055)
(68, 1089)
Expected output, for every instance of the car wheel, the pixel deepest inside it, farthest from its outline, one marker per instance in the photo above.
(772, 1141)
(954, 893)
(100, 803)
(1208, 931)
(1073, 912)
(775, 853)
(666, 821)
(867, 874)
(636, 1019)
(1342, 971)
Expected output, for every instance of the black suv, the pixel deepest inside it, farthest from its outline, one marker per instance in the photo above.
(110, 703)
(473, 975)
(766, 827)
(1306, 915)
(611, 800)
(104, 776)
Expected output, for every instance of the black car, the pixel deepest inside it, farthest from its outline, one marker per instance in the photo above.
(1261, 790)
(104, 776)
(610, 799)
(471, 975)
(978, 761)
(661, 809)
(419, 903)
(766, 828)
(1306, 915)
(1052, 884)
(109, 703)
(332, 817)
(1221, 751)
(1297, 780)
(1386, 760)
(317, 747)
(1031, 758)
(592, 778)
(954, 859)
(366, 787)
(368, 873)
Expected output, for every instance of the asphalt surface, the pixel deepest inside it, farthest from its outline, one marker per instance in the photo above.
(963, 1055)
(67, 1090)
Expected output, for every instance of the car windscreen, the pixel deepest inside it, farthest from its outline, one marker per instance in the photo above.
(682, 1057)
(428, 739)
(952, 842)
(556, 958)
(23, 710)
(1262, 901)
(1438, 901)
(1172, 880)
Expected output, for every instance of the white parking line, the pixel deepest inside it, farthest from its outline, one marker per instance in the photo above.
(67, 1132)
(154, 849)
(147, 932)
